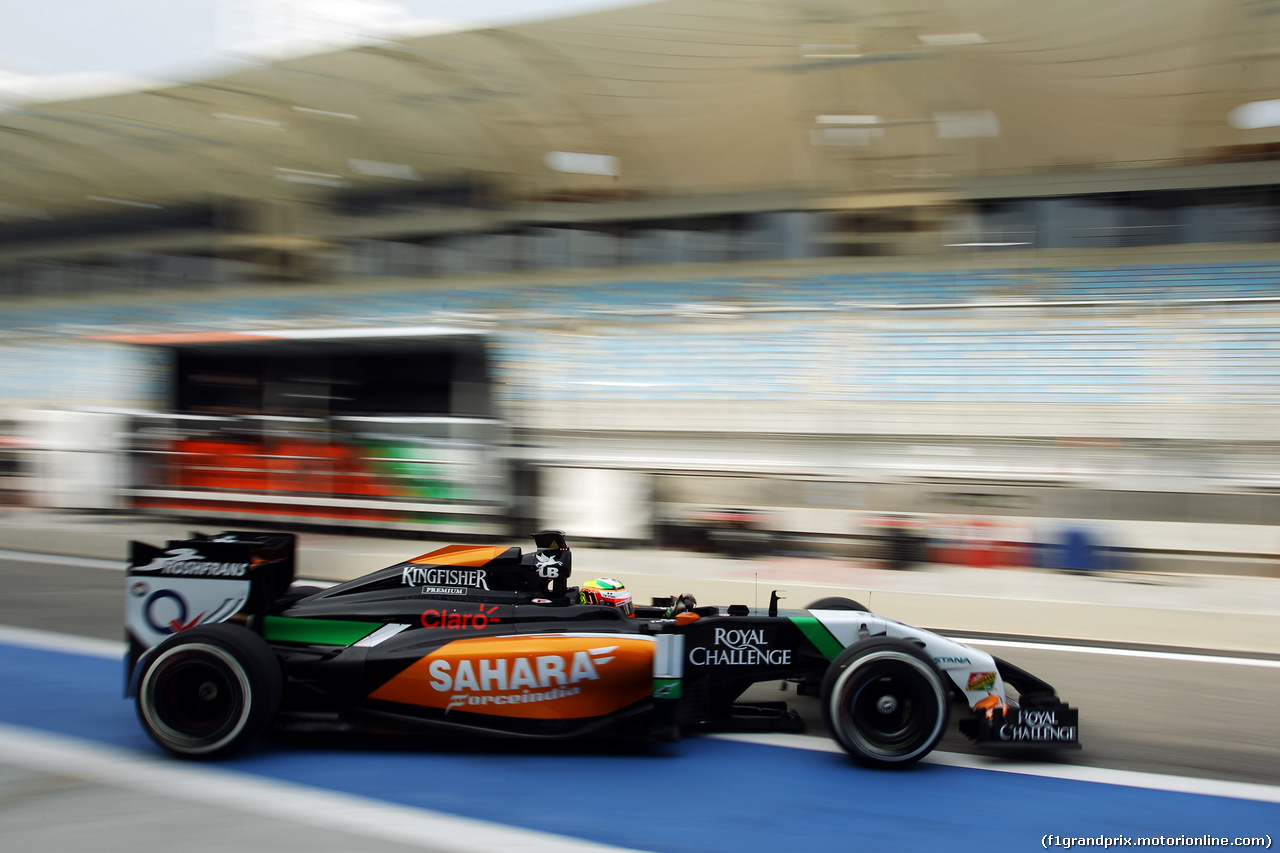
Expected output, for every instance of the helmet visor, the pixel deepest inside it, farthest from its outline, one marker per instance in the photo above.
(617, 598)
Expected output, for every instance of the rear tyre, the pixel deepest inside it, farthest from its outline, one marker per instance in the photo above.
(885, 703)
(207, 691)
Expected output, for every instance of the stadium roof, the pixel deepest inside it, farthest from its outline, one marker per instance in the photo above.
(676, 99)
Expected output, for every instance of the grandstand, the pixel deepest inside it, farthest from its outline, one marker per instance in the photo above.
(957, 261)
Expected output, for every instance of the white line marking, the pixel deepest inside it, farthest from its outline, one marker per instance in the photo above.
(54, 642)
(789, 741)
(62, 560)
(1073, 772)
(213, 786)
(1108, 776)
(1128, 653)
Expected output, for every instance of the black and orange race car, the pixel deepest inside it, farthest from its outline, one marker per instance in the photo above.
(224, 646)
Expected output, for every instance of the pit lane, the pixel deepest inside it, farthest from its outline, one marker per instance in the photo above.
(1175, 711)
(1202, 716)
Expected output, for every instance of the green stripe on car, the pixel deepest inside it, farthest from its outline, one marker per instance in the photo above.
(815, 632)
(668, 688)
(324, 632)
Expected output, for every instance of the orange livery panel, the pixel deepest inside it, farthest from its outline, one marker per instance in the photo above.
(555, 676)
(460, 555)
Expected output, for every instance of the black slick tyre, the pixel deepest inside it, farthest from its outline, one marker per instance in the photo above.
(207, 691)
(885, 702)
(835, 602)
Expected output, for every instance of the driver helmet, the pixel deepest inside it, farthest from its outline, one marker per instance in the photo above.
(607, 592)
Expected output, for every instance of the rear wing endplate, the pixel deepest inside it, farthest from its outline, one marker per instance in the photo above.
(234, 575)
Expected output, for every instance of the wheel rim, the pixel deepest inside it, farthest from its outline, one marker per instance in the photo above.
(195, 698)
(889, 706)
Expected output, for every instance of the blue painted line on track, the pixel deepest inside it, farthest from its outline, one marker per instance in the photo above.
(697, 795)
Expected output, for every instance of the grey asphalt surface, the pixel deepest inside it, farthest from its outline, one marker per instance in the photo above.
(44, 812)
(1210, 717)
(1239, 614)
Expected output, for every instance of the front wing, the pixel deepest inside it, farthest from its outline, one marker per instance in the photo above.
(1046, 725)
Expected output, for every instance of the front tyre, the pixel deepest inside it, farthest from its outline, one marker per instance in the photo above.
(885, 703)
(836, 603)
(207, 691)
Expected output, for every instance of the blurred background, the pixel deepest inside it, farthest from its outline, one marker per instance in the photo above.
(969, 281)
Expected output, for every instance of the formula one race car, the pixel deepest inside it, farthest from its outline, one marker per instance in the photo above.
(489, 640)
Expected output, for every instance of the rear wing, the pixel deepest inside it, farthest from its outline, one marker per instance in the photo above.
(233, 575)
